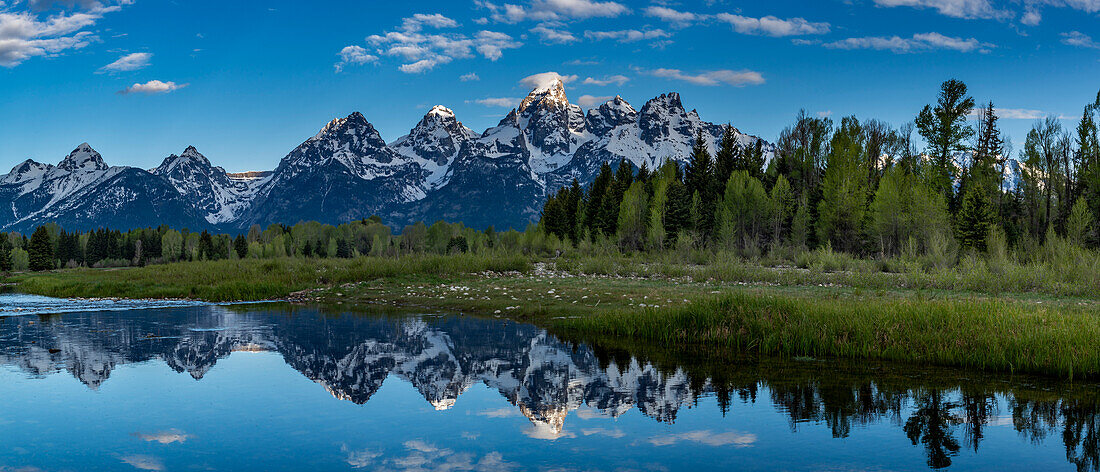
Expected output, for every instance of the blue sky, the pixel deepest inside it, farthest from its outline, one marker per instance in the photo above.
(246, 82)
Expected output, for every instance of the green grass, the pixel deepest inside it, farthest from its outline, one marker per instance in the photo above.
(991, 334)
(980, 315)
(249, 279)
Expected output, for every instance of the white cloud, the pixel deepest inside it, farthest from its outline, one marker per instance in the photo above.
(129, 62)
(424, 51)
(501, 102)
(626, 36)
(28, 34)
(554, 10)
(772, 26)
(918, 43)
(968, 9)
(824, 114)
(152, 87)
(423, 65)
(608, 80)
(354, 55)
(1017, 114)
(471, 77)
(589, 100)
(165, 437)
(679, 19)
(1079, 39)
(552, 33)
(419, 20)
(545, 79)
(1031, 17)
(707, 438)
(713, 78)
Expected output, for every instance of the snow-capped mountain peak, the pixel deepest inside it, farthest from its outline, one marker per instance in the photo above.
(434, 143)
(218, 198)
(27, 171)
(83, 158)
(549, 94)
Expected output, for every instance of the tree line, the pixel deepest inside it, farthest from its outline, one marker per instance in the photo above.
(51, 246)
(862, 187)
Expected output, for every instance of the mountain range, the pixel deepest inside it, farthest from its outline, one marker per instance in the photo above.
(440, 170)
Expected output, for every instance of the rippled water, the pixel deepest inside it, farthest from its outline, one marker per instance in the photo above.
(284, 388)
(14, 304)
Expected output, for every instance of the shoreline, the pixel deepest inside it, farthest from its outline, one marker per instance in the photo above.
(1035, 332)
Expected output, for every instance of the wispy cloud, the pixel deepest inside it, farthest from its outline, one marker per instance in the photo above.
(917, 43)
(590, 100)
(627, 36)
(152, 87)
(773, 26)
(422, 51)
(471, 77)
(1079, 39)
(763, 26)
(607, 80)
(968, 9)
(736, 78)
(554, 33)
(502, 102)
(354, 55)
(552, 10)
(679, 19)
(129, 62)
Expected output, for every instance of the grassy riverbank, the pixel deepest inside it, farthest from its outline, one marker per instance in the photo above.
(721, 306)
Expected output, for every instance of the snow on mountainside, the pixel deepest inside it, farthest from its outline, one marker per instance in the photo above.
(440, 170)
(215, 194)
(346, 172)
(83, 192)
(434, 143)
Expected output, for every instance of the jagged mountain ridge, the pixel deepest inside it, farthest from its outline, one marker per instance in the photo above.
(440, 170)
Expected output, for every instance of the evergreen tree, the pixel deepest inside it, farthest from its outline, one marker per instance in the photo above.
(594, 203)
(945, 130)
(6, 248)
(975, 218)
(240, 246)
(677, 211)
(206, 246)
(699, 172)
(726, 160)
(1088, 157)
(40, 250)
(699, 180)
(343, 249)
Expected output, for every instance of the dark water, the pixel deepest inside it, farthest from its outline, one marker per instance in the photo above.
(281, 388)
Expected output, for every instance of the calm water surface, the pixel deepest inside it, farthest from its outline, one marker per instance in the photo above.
(282, 388)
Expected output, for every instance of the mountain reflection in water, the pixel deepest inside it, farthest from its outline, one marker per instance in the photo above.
(918, 419)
